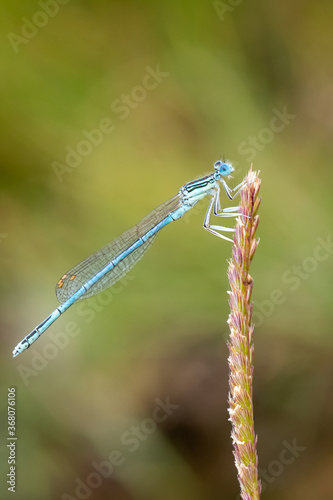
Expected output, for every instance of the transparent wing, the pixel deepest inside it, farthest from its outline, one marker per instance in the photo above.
(85, 270)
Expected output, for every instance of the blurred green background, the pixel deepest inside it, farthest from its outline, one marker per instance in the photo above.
(250, 81)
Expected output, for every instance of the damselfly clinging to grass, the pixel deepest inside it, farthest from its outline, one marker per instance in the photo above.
(109, 264)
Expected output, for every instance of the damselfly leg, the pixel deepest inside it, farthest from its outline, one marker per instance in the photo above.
(215, 206)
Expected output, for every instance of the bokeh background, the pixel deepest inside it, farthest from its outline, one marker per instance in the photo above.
(250, 81)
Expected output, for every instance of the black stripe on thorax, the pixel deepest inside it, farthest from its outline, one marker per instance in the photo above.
(199, 183)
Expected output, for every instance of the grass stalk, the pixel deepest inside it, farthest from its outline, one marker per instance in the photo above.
(241, 341)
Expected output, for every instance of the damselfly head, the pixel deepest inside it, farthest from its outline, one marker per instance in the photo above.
(223, 168)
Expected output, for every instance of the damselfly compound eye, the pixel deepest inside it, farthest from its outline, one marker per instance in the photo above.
(223, 168)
